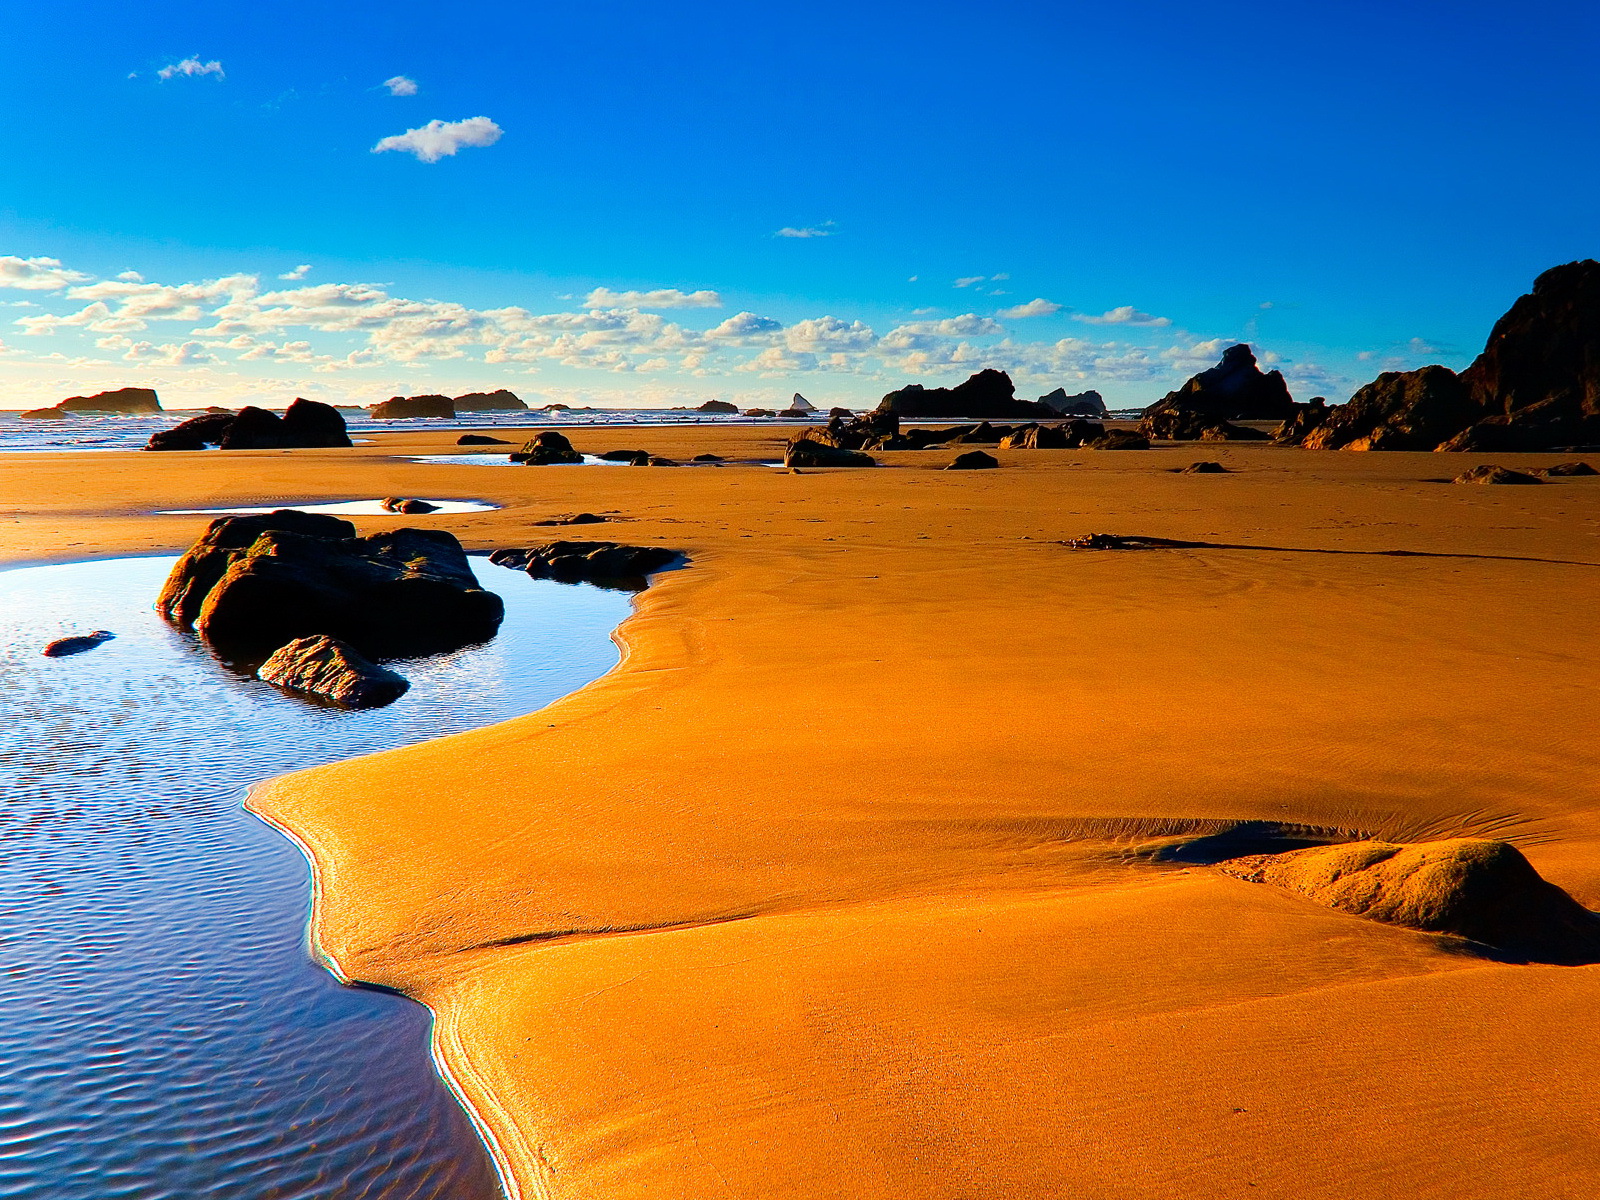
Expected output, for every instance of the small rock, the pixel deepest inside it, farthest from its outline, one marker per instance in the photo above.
(62, 647)
(576, 519)
(410, 507)
(626, 456)
(1101, 541)
(547, 448)
(1203, 468)
(1493, 474)
(655, 460)
(1561, 470)
(708, 458)
(332, 670)
(973, 460)
(479, 439)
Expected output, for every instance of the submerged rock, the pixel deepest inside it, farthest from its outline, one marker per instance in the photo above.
(331, 670)
(1493, 474)
(607, 564)
(253, 583)
(547, 448)
(403, 408)
(708, 458)
(1478, 889)
(626, 456)
(62, 647)
(973, 460)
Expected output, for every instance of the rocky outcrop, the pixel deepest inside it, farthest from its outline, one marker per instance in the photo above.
(973, 460)
(478, 439)
(129, 401)
(1399, 410)
(1195, 425)
(606, 564)
(499, 400)
(717, 406)
(330, 670)
(42, 414)
(1233, 390)
(1313, 414)
(1494, 475)
(799, 407)
(306, 424)
(406, 408)
(807, 451)
(1478, 889)
(63, 647)
(1084, 404)
(987, 394)
(397, 504)
(253, 583)
(546, 448)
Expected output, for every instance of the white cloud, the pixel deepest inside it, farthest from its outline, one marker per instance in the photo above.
(439, 139)
(1039, 307)
(806, 231)
(191, 66)
(37, 274)
(131, 277)
(819, 334)
(744, 325)
(1125, 315)
(999, 277)
(299, 272)
(660, 298)
(970, 280)
(401, 86)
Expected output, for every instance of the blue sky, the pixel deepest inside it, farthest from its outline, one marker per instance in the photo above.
(1086, 195)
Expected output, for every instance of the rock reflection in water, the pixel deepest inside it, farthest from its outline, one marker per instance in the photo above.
(166, 1033)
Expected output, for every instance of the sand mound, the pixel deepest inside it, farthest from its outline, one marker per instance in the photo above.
(1479, 889)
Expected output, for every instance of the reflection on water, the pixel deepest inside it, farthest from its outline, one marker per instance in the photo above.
(503, 460)
(352, 507)
(165, 1034)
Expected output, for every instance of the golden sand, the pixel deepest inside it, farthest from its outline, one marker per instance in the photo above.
(842, 884)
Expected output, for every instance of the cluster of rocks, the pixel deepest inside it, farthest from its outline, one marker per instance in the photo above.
(605, 564)
(251, 585)
(127, 402)
(1536, 386)
(306, 424)
(402, 408)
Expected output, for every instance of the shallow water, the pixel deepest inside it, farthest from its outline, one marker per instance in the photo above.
(501, 460)
(165, 1033)
(353, 507)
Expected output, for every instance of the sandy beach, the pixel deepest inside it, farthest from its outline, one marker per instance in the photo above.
(855, 877)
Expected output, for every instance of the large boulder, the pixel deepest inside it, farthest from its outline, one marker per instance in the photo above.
(194, 434)
(1478, 889)
(1399, 410)
(330, 670)
(405, 408)
(253, 583)
(1235, 389)
(499, 400)
(130, 401)
(805, 450)
(987, 394)
(546, 448)
(1083, 404)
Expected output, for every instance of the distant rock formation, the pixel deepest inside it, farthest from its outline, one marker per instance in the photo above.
(496, 401)
(330, 670)
(800, 406)
(405, 408)
(129, 401)
(988, 394)
(1233, 390)
(546, 448)
(1084, 404)
(254, 583)
(306, 424)
(1478, 889)
(759, 412)
(717, 406)
(42, 414)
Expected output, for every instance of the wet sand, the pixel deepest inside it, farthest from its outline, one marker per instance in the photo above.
(843, 882)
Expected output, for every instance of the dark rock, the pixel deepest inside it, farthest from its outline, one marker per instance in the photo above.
(215, 410)
(656, 460)
(1492, 474)
(973, 460)
(1083, 433)
(850, 432)
(1562, 470)
(395, 504)
(843, 414)
(982, 434)
(1196, 425)
(1084, 404)
(546, 448)
(62, 647)
(1399, 410)
(717, 406)
(705, 458)
(405, 408)
(43, 414)
(1229, 432)
(478, 439)
(1036, 437)
(576, 519)
(194, 434)
(1103, 541)
(1119, 439)
(1233, 390)
(806, 451)
(1482, 890)
(1203, 468)
(253, 583)
(499, 400)
(626, 456)
(1306, 417)
(131, 401)
(330, 670)
(556, 408)
(759, 412)
(605, 563)
(989, 393)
